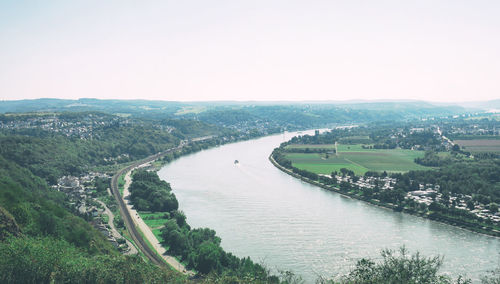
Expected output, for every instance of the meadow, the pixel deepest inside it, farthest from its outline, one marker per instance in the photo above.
(153, 219)
(311, 146)
(356, 158)
(155, 222)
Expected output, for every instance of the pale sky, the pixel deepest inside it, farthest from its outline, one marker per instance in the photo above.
(250, 50)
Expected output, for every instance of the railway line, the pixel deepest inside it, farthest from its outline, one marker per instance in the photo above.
(127, 219)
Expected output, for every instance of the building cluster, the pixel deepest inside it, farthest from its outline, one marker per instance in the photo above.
(473, 129)
(248, 127)
(80, 193)
(82, 127)
(426, 194)
(384, 183)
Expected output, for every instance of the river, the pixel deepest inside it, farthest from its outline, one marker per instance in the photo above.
(287, 224)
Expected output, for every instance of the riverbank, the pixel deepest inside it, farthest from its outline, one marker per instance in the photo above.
(148, 234)
(135, 234)
(385, 205)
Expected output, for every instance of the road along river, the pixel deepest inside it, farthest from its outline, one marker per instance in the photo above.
(261, 212)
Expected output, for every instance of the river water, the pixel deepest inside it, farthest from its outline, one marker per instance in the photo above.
(287, 224)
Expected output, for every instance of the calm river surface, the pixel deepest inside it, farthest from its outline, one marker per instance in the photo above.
(261, 212)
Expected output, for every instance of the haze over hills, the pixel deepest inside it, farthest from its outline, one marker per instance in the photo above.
(246, 115)
(173, 107)
(52, 104)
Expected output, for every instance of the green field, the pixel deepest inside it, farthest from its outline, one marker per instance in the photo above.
(153, 220)
(357, 159)
(157, 233)
(310, 146)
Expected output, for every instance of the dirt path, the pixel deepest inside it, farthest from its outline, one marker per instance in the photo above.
(114, 231)
(148, 234)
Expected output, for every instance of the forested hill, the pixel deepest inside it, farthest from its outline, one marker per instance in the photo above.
(53, 145)
(45, 237)
(42, 238)
(42, 241)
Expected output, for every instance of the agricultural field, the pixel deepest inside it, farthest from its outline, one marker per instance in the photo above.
(357, 159)
(311, 146)
(480, 145)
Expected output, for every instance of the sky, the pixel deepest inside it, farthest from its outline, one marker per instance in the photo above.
(434, 50)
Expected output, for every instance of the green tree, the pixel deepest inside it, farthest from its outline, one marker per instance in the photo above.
(208, 257)
(399, 267)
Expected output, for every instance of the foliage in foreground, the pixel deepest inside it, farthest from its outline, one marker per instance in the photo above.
(493, 277)
(49, 260)
(398, 267)
(37, 210)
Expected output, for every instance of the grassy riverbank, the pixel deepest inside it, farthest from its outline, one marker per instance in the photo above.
(354, 157)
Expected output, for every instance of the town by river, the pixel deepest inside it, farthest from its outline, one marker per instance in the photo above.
(287, 224)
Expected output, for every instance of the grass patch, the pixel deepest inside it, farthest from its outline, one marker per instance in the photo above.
(154, 219)
(386, 160)
(157, 233)
(155, 223)
(359, 160)
(329, 168)
(152, 215)
(310, 146)
(353, 148)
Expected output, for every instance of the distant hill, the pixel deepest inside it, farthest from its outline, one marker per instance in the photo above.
(89, 104)
(247, 115)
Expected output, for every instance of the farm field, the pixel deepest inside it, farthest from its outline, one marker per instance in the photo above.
(311, 146)
(359, 160)
(480, 145)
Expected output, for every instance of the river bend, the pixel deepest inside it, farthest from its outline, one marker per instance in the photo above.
(261, 212)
